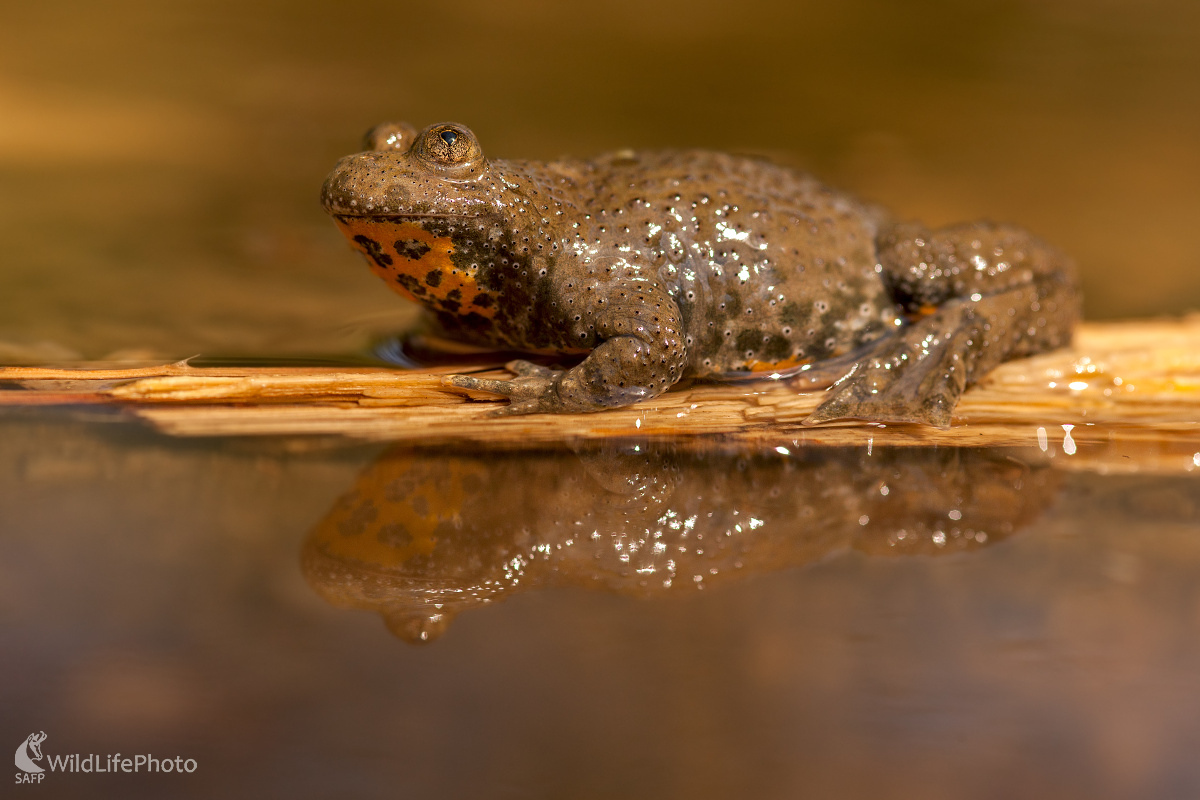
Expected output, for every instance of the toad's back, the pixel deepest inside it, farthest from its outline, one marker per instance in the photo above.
(770, 269)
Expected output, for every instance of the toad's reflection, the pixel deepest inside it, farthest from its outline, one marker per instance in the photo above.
(424, 535)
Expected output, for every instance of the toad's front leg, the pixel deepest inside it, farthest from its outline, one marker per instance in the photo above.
(639, 352)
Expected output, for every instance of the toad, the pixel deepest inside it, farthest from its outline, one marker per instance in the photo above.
(672, 264)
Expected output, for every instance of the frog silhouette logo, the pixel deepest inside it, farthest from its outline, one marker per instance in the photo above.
(30, 751)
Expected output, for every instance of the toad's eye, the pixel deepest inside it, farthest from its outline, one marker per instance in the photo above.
(451, 149)
(390, 136)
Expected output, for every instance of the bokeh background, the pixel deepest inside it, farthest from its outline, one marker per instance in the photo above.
(160, 162)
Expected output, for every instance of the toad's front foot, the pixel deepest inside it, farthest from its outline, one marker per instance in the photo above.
(534, 390)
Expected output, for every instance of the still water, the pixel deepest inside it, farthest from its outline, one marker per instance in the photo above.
(632, 620)
(319, 617)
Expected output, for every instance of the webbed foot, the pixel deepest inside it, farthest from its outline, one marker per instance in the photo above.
(870, 393)
(919, 377)
(532, 391)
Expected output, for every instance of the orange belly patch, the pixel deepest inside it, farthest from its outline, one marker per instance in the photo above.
(777, 366)
(417, 264)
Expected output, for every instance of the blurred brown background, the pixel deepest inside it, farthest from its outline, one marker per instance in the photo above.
(159, 162)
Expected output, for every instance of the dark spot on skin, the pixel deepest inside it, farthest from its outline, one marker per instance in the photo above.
(451, 305)
(483, 300)
(776, 348)
(434, 277)
(749, 339)
(374, 250)
(454, 294)
(411, 248)
(542, 300)
(420, 505)
(394, 535)
(791, 314)
(476, 322)
(713, 341)
(411, 284)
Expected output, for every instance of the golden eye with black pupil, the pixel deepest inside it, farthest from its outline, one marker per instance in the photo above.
(449, 148)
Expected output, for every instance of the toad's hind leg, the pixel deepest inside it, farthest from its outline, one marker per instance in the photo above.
(977, 295)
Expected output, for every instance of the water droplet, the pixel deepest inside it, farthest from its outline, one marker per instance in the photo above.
(1068, 442)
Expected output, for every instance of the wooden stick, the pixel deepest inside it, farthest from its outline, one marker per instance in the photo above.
(1121, 385)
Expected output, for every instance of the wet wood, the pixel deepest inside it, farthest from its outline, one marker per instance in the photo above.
(1132, 385)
